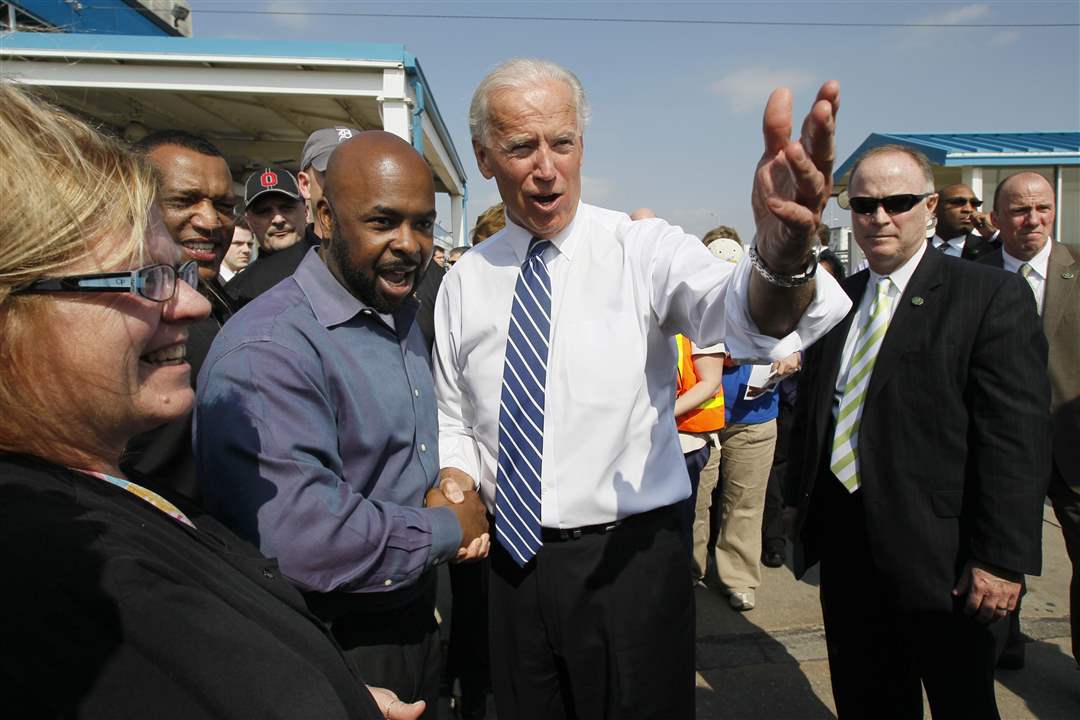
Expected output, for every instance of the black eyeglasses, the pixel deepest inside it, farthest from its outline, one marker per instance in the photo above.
(153, 282)
(962, 201)
(893, 204)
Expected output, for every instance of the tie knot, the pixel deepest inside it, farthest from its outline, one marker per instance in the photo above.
(883, 286)
(536, 249)
(1025, 269)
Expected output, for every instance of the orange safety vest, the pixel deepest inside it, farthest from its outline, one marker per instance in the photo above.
(709, 415)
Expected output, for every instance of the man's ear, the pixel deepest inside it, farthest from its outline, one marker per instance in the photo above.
(303, 181)
(325, 218)
(931, 203)
(482, 159)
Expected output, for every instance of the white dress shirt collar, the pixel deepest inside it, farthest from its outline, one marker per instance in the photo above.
(1039, 264)
(956, 244)
(519, 238)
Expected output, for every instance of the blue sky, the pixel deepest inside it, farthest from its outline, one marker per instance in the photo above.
(676, 107)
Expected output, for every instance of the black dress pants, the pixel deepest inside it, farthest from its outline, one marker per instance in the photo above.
(1066, 501)
(879, 653)
(397, 649)
(597, 627)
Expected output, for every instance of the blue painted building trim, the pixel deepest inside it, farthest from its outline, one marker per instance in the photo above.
(111, 44)
(112, 17)
(979, 149)
(412, 67)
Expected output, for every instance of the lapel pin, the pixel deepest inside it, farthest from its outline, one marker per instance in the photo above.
(917, 301)
(1067, 275)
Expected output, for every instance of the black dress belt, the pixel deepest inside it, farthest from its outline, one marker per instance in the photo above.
(563, 534)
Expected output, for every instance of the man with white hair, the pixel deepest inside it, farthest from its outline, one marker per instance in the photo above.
(557, 398)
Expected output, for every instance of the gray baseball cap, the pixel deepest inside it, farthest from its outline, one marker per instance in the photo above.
(321, 143)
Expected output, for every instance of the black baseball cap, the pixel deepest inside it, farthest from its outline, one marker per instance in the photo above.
(273, 178)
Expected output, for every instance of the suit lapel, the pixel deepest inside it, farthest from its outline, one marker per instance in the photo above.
(1058, 286)
(915, 307)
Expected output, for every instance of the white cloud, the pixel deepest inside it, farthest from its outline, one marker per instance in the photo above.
(748, 88)
(290, 21)
(957, 16)
(1003, 38)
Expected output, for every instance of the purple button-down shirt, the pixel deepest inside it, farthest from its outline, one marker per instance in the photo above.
(316, 437)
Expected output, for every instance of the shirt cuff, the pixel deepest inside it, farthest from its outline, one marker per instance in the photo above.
(445, 535)
(458, 450)
(745, 342)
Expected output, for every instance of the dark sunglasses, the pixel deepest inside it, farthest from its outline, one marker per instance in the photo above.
(153, 282)
(893, 204)
(962, 201)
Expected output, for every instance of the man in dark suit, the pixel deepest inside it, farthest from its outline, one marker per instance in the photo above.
(919, 459)
(1024, 210)
(960, 224)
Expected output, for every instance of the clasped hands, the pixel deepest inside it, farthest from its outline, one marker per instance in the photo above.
(456, 492)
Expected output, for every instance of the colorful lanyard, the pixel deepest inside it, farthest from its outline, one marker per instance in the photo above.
(148, 495)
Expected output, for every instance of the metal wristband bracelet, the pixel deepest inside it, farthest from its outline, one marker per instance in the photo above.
(785, 281)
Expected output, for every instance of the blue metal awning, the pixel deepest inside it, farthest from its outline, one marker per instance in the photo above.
(979, 149)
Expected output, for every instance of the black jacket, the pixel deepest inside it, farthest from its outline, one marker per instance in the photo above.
(954, 454)
(120, 611)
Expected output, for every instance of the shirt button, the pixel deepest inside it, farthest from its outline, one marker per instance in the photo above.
(388, 582)
(423, 447)
(416, 392)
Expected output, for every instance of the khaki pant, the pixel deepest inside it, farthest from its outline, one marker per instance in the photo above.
(744, 471)
(710, 474)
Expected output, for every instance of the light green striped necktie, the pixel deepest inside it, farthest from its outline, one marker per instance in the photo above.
(845, 462)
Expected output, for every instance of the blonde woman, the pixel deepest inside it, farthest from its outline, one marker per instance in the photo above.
(119, 601)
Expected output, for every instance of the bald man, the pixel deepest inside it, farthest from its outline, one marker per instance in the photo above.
(316, 431)
(960, 224)
(1024, 210)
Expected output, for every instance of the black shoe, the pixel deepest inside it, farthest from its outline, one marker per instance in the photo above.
(772, 558)
(773, 555)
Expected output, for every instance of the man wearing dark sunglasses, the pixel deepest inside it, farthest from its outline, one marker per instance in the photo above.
(919, 459)
(960, 223)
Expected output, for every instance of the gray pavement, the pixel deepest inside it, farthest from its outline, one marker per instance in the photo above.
(770, 663)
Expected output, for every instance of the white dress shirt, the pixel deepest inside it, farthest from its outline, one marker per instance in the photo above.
(900, 279)
(225, 274)
(952, 246)
(1039, 269)
(620, 291)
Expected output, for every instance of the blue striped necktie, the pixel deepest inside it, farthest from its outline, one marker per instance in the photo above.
(521, 413)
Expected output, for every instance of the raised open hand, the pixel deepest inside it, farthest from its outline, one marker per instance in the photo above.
(794, 178)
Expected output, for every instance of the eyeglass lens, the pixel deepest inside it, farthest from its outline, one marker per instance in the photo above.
(962, 201)
(158, 282)
(893, 204)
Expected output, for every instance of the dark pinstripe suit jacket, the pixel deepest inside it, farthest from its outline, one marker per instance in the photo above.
(954, 439)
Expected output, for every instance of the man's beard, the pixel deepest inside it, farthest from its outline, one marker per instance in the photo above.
(363, 284)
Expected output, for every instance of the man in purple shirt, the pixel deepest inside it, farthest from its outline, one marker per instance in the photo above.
(316, 432)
